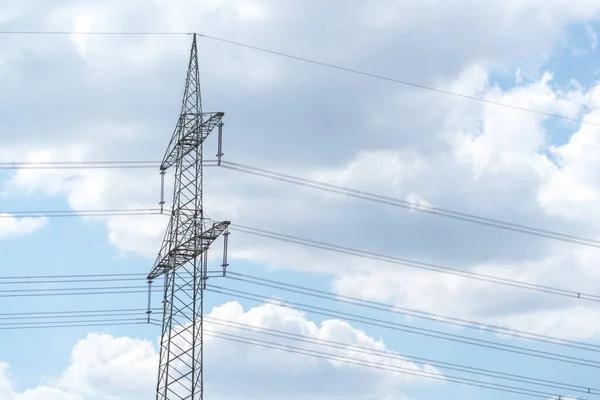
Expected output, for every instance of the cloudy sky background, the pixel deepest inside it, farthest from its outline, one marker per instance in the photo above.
(90, 98)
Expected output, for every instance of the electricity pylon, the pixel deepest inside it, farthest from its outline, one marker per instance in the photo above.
(182, 258)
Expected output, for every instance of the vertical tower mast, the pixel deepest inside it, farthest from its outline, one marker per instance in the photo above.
(183, 255)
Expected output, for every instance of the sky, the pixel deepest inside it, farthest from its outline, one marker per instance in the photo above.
(98, 97)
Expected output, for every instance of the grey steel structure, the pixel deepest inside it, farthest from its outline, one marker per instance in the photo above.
(182, 258)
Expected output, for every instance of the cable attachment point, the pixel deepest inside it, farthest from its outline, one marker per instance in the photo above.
(225, 242)
(162, 190)
(149, 311)
(204, 268)
(220, 143)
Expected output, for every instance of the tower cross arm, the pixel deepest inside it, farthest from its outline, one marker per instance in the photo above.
(187, 251)
(191, 131)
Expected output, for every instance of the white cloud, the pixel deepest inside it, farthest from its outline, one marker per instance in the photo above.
(420, 146)
(478, 301)
(332, 378)
(508, 151)
(122, 97)
(7, 391)
(508, 139)
(13, 227)
(493, 148)
(365, 171)
(103, 366)
(91, 189)
(570, 190)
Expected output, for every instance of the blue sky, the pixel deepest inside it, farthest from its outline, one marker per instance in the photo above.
(89, 98)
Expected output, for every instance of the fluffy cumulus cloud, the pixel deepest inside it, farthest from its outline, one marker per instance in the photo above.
(330, 378)
(11, 226)
(116, 97)
(507, 167)
(101, 367)
(8, 392)
(105, 367)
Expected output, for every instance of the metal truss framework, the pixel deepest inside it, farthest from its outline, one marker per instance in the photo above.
(182, 258)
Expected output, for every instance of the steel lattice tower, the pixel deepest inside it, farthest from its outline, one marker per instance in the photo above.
(182, 258)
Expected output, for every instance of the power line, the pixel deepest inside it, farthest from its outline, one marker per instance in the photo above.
(50, 212)
(371, 364)
(372, 256)
(81, 314)
(82, 293)
(68, 281)
(522, 334)
(50, 314)
(70, 289)
(70, 319)
(380, 366)
(98, 162)
(414, 264)
(79, 325)
(51, 317)
(291, 349)
(321, 294)
(107, 33)
(398, 81)
(70, 276)
(79, 213)
(17, 165)
(413, 206)
(408, 329)
(74, 320)
(322, 64)
(81, 319)
(85, 163)
(78, 165)
(430, 332)
(330, 344)
(386, 200)
(393, 326)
